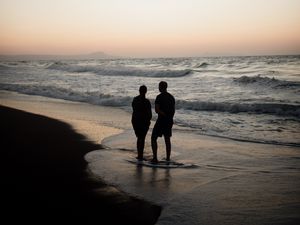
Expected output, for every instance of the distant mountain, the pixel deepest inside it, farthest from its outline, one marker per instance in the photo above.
(98, 55)
(94, 55)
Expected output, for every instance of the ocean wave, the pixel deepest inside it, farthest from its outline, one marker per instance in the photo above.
(119, 71)
(95, 98)
(266, 81)
(23, 64)
(268, 108)
(202, 65)
(4, 66)
(98, 98)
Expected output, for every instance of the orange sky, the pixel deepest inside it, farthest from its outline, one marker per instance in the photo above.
(147, 28)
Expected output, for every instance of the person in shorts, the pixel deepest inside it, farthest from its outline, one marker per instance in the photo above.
(165, 108)
(140, 120)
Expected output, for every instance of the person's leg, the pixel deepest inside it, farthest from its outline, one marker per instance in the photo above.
(154, 147)
(140, 144)
(168, 147)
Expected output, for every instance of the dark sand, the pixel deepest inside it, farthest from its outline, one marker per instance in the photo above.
(44, 178)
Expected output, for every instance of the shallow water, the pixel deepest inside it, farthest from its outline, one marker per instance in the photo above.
(233, 182)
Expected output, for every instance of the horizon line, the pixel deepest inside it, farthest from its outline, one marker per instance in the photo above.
(108, 56)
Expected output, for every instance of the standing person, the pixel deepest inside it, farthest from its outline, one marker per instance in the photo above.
(165, 108)
(141, 117)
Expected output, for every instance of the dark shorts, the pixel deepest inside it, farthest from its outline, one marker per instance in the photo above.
(162, 127)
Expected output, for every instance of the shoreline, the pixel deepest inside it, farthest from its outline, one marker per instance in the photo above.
(45, 177)
(83, 117)
(245, 169)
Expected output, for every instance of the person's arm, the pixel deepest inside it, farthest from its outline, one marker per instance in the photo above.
(158, 111)
(133, 104)
(149, 110)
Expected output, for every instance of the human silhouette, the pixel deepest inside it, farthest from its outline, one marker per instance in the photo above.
(141, 117)
(165, 108)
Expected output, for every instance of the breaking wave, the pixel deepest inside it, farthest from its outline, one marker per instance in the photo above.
(95, 98)
(202, 65)
(119, 71)
(3, 66)
(266, 81)
(99, 98)
(269, 108)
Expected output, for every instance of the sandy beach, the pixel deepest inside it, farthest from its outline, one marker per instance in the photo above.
(231, 182)
(43, 171)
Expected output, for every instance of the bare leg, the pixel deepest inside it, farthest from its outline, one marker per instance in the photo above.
(168, 147)
(140, 144)
(154, 147)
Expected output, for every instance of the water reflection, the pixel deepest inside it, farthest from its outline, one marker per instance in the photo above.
(153, 177)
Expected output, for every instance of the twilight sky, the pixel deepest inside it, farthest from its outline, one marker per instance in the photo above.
(149, 28)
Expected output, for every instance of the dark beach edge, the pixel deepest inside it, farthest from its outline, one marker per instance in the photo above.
(44, 178)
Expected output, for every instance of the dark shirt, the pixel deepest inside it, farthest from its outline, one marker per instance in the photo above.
(142, 113)
(166, 103)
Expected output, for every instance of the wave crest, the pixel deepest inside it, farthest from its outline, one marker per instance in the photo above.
(99, 98)
(95, 98)
(202, 65)
(119, 71)
(266, 81)
(269, 108)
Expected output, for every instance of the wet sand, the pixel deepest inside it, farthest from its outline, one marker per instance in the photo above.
(234, 183)
(44, 178)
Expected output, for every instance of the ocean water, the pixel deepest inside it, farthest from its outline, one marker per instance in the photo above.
(251, 99)
(254, 99)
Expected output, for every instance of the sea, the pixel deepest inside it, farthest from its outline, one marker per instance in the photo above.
(249, 98)
(237, 131)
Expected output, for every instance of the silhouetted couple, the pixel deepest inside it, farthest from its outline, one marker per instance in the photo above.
(141, 116)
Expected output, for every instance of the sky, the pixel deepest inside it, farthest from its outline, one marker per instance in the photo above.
(150, 28)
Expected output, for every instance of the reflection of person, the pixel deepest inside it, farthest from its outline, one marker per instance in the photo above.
(165, 108)
(141, 117)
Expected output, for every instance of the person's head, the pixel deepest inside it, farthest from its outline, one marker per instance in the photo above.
(163, 85)
(143, 90)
